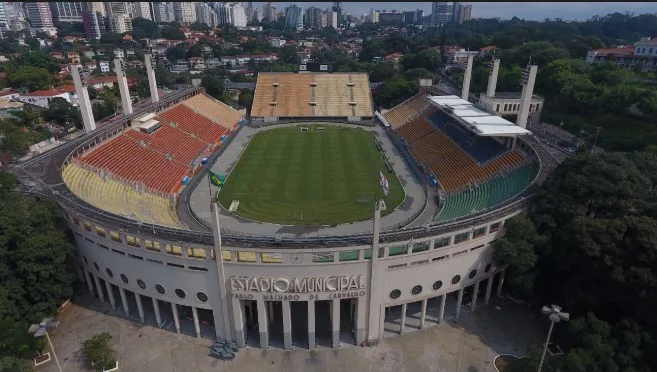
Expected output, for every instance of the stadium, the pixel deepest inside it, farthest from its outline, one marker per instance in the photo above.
(293, 242)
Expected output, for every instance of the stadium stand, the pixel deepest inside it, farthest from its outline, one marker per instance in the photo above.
(173, 141)
(119, 198)
(488, 194)
(401, 113)
(193, 123)
(333, 95)
(217, 111)
(482, 149)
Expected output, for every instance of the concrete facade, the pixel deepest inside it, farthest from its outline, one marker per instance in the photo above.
(286, 298)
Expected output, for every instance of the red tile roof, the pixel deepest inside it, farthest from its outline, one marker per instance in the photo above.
(626, 50)
(44, 93)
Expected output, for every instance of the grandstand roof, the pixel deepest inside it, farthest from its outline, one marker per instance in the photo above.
(476, 119)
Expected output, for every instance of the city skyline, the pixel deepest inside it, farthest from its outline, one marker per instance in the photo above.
(536, 11)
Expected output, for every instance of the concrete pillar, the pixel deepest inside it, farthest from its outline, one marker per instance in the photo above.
(311, 325)
(223, 328)
(459, 300)
(489, 287)
(263, 327)
(526, 98)
(176, 317)
(101, 295)
(287, 325)
(150, 72)
(126, 102)
(475, 291)
(361, 319)
(500, 283)
(197, 326)
(238, 321)
(402, 322)
(374, 309)
(90, 285)
(465, 92)
(492, 78)
(83, 100)
(423, 314)
(110, 294)
(124, 301)
(441, 313)
(156, 307)
(140, 308)
(335, 323)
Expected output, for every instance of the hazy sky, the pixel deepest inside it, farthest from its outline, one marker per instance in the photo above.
(529, 11)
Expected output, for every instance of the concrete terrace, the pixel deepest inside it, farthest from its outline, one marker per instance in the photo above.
(412, 207)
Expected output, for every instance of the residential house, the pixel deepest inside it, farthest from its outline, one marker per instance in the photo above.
(57, 55)
(212, 62)
(197, 63)
(91, 66)
(101, 52)
(243, 59)
(643, 55)
(102, 82)
(104, 66)
(73, 58)
(159, 51)
(118, 53)
(488, 50)
(89, 54)
(179, 66)
(42, 98)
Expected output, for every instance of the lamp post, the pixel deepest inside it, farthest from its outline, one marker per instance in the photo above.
(41, 329)
(555, 315)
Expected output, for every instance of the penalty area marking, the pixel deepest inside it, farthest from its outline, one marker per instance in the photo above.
(233, 205)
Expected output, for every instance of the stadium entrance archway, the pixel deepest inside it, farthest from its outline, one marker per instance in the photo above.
(393, 320)
(251, 323)
(323, 324)
(275, 323)
(299, 317)
(348, 321)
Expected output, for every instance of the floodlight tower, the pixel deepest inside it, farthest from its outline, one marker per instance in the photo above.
(126, 102)
(492, 78)
(527, 80)
(81, 82)
(41, 329)
(150, 63)
(465, 92)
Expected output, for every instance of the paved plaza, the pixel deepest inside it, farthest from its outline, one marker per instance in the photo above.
(467, 346)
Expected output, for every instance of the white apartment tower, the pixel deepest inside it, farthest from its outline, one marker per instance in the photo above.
(142, 9)
(185, 12)
(40, 17)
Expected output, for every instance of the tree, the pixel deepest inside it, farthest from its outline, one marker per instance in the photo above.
(246, 98)
(173, 33)
(36, 59)
(12, 138)
(98, 353)
(516, 250)
(427, 59)
(144, 28)
(382, 72)
(396, 91)
(12, 364)
(176, 52)
(30, 78)
(288, 54)
(63, 113)
(111, 38)
(214, 86)
(196, 26)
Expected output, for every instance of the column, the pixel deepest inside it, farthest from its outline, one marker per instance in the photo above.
(361, 319)
(156, 307)
(458, 304)
(124, 301)
(489, 287)
(110, 294)
(176, 318)
(474, 296)
(442, 308)
(402, 322)
(465, 90)
(197, 327)
(374, 309)
(238, 321)
(335, 319)
(500, 282)
(262, 324)
(423, 313)
(140, 308)
(89, 283)
(287, 325)
(311, 325)
(101, 295)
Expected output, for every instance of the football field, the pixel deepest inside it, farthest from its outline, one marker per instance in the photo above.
(313, 177)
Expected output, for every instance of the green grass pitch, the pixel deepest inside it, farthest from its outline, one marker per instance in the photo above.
(294, 177)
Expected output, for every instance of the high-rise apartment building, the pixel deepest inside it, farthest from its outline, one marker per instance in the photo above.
(40, 17)
(142, 9)
(204, 15)
(269, 10)
(442, 13)
(313, 17)
(120, 23)
(15, 16)
(113, 8)
(462, 12)
(93, 21)
(224, 15)
(184, 12)
(4, 23)
(413, 17)
(66, 11)
(374, 16)
(163, 12)
(294, 17)
(238, 15)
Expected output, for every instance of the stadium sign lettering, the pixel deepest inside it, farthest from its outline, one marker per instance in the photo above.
(297, 285)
